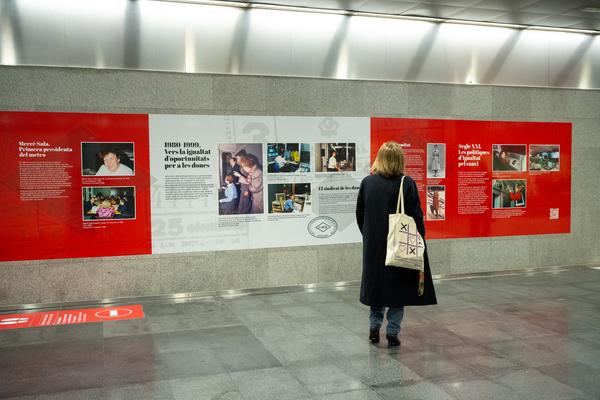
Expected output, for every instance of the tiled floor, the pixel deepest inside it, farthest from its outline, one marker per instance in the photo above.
(513, 337)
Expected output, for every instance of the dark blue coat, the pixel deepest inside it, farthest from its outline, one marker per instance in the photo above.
(381, 285)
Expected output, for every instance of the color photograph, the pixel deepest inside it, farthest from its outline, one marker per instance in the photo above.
(335, 157)
(107, 159)
(509, 157)
(290, 198)
(102, 203)
(544, 157)
(240, 179)
(436, 203)
(288, 157)
(509, 193)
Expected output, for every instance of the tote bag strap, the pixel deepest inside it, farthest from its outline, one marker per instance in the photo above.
(400, 204)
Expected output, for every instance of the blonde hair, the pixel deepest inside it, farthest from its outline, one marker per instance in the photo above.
(389, 160)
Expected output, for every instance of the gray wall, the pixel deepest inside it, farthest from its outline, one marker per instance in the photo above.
(82, 90)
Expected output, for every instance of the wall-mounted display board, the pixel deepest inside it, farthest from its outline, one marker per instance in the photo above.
(485, 178)
(73, 185)
(239, 182)
(88, 185)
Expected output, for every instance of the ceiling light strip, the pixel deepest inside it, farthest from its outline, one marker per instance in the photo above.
(268, 6)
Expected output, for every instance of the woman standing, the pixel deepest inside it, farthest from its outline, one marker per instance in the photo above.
(385, 286)
(435, 160)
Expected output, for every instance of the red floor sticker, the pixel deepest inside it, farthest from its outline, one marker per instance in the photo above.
(69, 317)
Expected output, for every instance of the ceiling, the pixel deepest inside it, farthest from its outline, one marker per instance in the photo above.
(570, 14)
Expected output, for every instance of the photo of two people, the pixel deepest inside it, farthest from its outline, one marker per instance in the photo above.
(240, 179)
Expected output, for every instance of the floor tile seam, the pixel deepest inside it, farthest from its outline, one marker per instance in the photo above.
(519, 366)
(487, 379)
(396, 384)
(336, 392)
(462, 364)
(538, 369)
(160, 332)
(511, 358)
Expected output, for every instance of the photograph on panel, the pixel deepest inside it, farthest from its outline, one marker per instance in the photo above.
(509, 157)
(509, 193)
(240, 178)
(335, 157)
(105, 202)
(288, 157)
(436, 160)
(436, 202)
(544, 157)
(290, 198)
(107, 159)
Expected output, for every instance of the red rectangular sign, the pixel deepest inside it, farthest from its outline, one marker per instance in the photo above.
(73, 185)
(485, 178)
(69, 317)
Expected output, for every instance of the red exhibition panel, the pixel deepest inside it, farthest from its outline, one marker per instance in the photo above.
(74, 185)
(485, 178)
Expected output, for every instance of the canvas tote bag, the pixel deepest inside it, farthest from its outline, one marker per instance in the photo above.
(405, 246)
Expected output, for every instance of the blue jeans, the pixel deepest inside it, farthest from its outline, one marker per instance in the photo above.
(394, 317)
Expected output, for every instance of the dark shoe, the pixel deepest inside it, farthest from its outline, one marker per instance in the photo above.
(374, 336)
(392, 340)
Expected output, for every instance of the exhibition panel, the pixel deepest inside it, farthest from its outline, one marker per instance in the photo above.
(79, 185)
(74, 185)
(486, 178)
(239, 182)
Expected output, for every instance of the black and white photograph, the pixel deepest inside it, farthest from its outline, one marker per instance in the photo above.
(436, 160)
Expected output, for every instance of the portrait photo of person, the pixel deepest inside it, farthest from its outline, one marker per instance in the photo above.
(240, 179)
(107, 159)
(436, 203)
(436, 160)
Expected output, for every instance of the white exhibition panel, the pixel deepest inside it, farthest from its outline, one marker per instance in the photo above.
(186, 181)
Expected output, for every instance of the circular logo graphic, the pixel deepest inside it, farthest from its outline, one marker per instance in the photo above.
(114, 313)
(322, 227)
